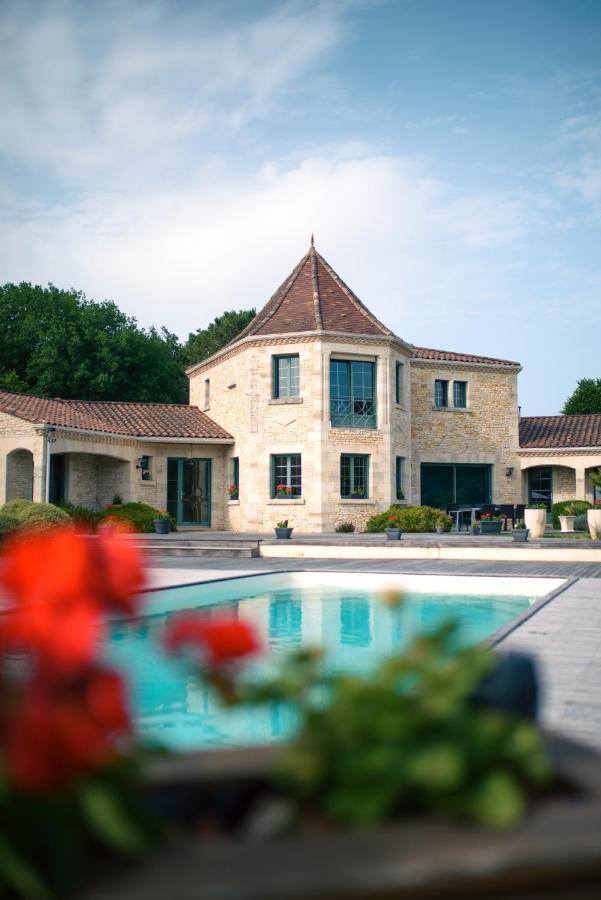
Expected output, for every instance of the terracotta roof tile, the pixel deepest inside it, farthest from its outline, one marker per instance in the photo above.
(560, 431)
(313, 298)
(449, 356)
(133, 419)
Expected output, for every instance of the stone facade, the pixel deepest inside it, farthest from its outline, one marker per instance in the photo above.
(484, 432)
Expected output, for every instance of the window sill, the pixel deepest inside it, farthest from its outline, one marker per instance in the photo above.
(296, 501)
(284, 401)
(452, 409)
(233, 503)
(356, 501)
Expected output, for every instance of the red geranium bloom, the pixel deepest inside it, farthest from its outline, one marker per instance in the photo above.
(61, 583)
(60, 732)
(221, 640)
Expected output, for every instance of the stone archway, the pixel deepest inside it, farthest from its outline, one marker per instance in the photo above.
(19, 475)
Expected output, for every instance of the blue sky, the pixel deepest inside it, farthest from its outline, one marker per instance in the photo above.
(176, 156)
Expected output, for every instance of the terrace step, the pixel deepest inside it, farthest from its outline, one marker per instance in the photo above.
(195, 548)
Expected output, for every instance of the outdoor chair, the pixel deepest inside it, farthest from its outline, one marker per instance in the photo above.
(507, 510)
(488, 509)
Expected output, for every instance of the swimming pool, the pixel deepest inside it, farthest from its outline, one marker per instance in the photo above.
(343, 613)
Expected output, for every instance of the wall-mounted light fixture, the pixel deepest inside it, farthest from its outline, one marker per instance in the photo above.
(509, 471)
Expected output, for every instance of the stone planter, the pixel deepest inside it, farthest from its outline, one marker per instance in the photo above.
(162, 526)
(283, 534)
(593, 517)
(487, 527)
(554, 853)
(439, 529)
(567, 523)
(394, 534)
(520, 535)
(536, 521)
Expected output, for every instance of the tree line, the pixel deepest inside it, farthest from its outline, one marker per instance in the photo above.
(57, 343)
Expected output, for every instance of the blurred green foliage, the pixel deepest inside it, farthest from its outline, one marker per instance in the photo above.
(410, 519)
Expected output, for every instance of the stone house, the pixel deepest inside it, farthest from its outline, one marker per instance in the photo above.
(315, 397)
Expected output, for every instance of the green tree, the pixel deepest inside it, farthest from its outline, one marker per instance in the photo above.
(56, 343)
(585, 400)
(206, 341)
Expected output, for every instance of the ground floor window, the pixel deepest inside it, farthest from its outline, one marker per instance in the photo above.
(540, 486)
(445, 485)
(58, 479)
(400, 461)
(354, 476)
(286, 473)
(234, 489)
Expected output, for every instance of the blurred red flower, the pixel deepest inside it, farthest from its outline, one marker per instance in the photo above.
(61, 583)
(62, 731)
(221, 640)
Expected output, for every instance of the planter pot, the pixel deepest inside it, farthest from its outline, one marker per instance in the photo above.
(475, 530)
(283, 534)
(567, 523)
(439, 529)
(593, 517)
(536, 521)
(490, 527)
(393, 534)
(283, 497)
(162, 526)
(555, 853)
(233, 496)
(520, 535)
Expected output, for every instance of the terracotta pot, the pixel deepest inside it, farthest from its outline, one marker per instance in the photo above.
(536, 520)
(594, 523)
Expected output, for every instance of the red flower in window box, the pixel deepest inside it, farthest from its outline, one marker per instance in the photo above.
(283, 490)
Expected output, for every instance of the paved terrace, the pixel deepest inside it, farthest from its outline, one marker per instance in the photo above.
(564, 634)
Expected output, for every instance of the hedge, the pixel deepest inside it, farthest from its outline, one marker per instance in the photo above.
(18, 514)
(85, 519)
(568, 508)
(581, 522)
(411, 519)
(140, 516)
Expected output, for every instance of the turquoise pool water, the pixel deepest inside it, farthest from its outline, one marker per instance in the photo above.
(351, 623)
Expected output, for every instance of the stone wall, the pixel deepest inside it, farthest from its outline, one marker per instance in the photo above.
(564, 484)
(241, 401)
(486, 432)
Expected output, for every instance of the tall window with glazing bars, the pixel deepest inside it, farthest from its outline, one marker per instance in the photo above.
(352, 394)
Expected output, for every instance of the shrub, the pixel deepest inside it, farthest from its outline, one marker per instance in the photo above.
(139, 516)
(18, 514)
(581, 522)
(568, 508)
(410, 519)
(85, 519)
(345, 528)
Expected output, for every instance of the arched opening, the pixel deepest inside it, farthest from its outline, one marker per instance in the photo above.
(93, 479)
(19, 475)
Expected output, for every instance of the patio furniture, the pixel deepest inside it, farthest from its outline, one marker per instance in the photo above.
(507, 510)
(519, 511)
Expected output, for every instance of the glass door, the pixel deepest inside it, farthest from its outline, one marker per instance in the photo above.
(189, 491)
(540, 487)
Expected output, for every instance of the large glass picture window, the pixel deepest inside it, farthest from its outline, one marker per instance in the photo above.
(352, 394)
(447, 485)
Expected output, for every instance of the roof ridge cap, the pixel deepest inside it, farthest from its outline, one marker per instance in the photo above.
(315, 284)
(352, 296)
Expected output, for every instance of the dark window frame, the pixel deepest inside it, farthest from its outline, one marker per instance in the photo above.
(276, 389)
(399, 374)
(353, 410)
(462, 385)
(399, 467)
(354, 476)
(444, 394)
(291, 478)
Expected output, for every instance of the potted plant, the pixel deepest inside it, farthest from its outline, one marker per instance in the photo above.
(393, 529)
(475, 528)
(519, 531)
(567, 520)
(535, 519)
(233, 491)
(282, 532)
(283, 491)
(358, 493)
(162, 522)
(490, 524)
(593, 518)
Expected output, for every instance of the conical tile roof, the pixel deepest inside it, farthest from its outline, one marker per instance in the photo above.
(314, 298)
